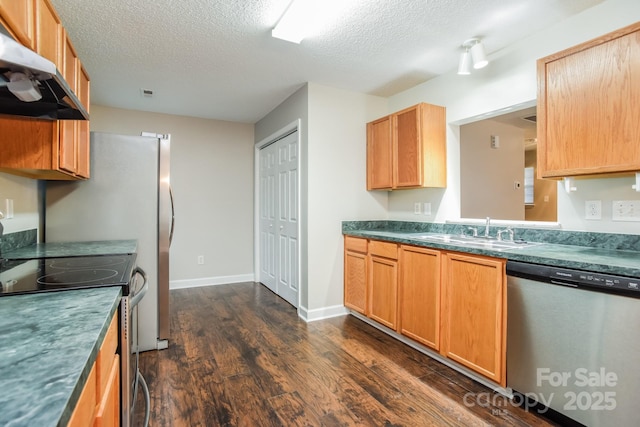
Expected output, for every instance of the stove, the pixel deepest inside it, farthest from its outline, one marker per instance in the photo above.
(57, 274)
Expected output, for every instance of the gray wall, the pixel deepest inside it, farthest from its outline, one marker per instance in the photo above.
(212, 180)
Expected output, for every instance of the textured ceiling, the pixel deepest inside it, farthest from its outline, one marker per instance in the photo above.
(216, 58)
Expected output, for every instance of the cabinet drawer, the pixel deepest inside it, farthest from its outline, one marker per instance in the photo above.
(383, 249)
(355, 244)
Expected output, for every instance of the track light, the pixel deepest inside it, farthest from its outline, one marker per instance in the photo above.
(473, 50)
(464, 66)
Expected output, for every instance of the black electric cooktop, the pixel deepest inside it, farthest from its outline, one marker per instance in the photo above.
(57, 274)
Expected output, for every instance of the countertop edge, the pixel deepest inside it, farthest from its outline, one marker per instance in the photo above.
(524, 255)
(91, 359)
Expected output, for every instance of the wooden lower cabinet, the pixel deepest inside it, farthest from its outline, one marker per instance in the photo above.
(99, 402)
(383, 283)
(355, 274)
(419, 295)
(474, 314)
(451, 302)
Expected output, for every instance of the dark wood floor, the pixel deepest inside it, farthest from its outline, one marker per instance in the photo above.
(240, 356)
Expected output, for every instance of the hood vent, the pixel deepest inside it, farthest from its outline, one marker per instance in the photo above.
(31, 86)
(532, 119)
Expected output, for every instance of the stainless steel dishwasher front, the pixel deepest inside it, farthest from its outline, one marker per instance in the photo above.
(572, 344)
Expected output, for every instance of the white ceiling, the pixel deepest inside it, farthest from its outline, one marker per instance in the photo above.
(216, 58)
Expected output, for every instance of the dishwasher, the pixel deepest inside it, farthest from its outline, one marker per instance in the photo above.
(573, 344)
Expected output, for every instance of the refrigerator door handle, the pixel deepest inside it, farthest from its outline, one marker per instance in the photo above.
(173, 216)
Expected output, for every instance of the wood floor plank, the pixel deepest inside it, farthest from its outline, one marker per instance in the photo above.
(250, 408)
(292, 411)
(239, 355)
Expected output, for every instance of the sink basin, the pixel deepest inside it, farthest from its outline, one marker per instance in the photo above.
(473, 242)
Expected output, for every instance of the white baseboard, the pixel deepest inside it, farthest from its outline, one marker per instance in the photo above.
(210, 281)
(321, 313)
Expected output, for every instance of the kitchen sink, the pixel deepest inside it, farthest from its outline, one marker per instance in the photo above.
(472, 242)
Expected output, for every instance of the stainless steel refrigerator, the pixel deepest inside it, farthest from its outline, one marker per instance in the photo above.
(127, 197)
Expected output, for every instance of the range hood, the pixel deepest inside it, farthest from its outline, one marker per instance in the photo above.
(31, 86)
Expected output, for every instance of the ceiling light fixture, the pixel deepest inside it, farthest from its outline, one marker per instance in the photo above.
(305, 18)
(473, 50)
(293, 26)
(464, 66)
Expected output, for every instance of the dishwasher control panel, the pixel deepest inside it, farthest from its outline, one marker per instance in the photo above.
(629, 286)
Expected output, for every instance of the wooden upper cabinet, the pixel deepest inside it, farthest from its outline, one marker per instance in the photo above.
(49, 33)
(474, 307)
(589, 107)
(407, 149)
(69, 62)
(379, 154)
(83, 126)
(17, 17)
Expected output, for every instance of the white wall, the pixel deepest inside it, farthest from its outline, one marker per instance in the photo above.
(212, 180)
(25, 195)
(334, 181)
(510, 79)
(337, 183)
(295, 107)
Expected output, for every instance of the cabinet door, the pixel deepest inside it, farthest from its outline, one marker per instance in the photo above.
(588, 107)
(18, 17)
(82, 126)
(68, 147)
(407, 148)
(419, 146)
(379, 154)
(108, 412)
(383, 290)
(68, 128)
(48, 32)
(355, 281)
(383, 283)
(474, 322)
(419, 295)
(84, 413)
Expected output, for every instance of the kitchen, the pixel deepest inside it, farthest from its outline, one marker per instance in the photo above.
(198, 167)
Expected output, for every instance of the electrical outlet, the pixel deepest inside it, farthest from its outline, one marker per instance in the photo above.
(626, 210)
(593, 209)
(200, 259)
(416, 208)
(426, 208)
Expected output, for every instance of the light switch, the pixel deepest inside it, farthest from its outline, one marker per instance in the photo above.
(626, 210)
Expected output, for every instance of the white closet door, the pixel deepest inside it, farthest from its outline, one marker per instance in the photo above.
(279, 217)
(287, 222)
(268, 217)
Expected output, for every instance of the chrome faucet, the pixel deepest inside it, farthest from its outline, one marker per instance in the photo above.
(486, 227)
(508, 230)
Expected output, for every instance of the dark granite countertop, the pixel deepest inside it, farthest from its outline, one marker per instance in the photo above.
(48, 344)
(64, 249)
(598, 252)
